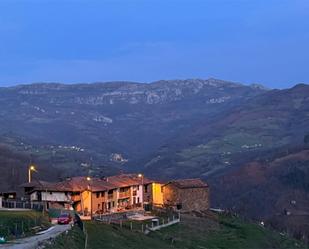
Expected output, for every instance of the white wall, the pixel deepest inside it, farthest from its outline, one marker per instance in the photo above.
(56, 196)
(34, 196)
(139, 193)
(51, 196)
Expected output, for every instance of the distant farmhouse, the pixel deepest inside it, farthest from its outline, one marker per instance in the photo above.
(119, 193)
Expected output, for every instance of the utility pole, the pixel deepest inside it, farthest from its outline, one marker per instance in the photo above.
(142, 178)
(30, 169)
(90, 190)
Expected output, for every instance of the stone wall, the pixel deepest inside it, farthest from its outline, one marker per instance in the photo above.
(194, 199)
(190, 199)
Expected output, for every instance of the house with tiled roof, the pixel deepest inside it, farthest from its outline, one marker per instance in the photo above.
(83, 194)
(52, 194)
(186, 195)
(118, 193)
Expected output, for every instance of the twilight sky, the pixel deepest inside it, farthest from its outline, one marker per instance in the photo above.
(71, 41)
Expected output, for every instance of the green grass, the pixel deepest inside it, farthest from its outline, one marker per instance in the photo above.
(74, 239)
(232, 233)
(14, 224)
(192, 233)
(110, 236)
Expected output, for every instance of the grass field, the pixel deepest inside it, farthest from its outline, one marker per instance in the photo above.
(232, 233)
(113, 237)
(74, 239)
(15, 224)
(191, 233)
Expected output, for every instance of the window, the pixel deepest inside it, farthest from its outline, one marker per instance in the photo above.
(122, 190)
(99, 206)
(98, 194)
(146, 188)
(137, 199)
(110, 192)
(102, 194)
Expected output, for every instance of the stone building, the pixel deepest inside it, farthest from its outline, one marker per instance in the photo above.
(186, 195)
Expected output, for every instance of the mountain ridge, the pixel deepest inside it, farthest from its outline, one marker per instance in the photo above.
(169, 129)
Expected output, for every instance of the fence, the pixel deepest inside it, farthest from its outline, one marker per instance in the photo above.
(17, 228)
(117, 216)
(144, 226)
(22, 205)
(158, 226)
(86, 236)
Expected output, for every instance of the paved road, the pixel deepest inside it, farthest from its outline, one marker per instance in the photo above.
(32, 242)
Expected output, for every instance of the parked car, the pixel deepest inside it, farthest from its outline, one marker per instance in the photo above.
(64, 218)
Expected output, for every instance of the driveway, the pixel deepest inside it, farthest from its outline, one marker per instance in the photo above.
(33, 242)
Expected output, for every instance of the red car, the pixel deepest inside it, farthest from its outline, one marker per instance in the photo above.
(64, 218)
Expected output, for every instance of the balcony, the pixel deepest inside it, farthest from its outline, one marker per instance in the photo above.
(124, 195)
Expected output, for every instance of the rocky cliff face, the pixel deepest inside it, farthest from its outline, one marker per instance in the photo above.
(112, 93)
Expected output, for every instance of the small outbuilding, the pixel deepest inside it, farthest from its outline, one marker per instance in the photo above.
(186, 195)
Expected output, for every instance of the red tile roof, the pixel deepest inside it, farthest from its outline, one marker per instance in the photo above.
(189, 183)
(125, 180)
(79, 184)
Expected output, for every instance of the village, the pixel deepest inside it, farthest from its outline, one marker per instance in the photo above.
(90, 196)
(112, 199)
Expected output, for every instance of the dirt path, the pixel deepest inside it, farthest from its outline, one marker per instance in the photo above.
(33, 242)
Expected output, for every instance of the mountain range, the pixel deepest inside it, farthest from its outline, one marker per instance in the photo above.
(247, 138)
(114, 123)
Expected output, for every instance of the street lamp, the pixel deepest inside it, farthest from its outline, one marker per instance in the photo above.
(30, 169)
(88, 178)
(142, 178)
